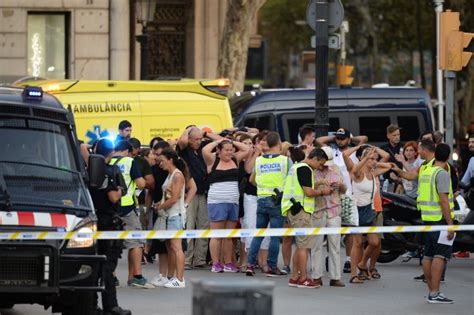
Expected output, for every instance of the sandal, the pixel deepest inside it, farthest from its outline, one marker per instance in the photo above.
(356, 280)
(363, 273)
(375, 274)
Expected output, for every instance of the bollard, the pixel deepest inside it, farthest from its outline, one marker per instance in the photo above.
(232, 297)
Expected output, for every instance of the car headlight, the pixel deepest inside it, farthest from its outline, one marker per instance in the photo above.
(86, 226)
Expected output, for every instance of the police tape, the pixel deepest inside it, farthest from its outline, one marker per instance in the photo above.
(227, 233)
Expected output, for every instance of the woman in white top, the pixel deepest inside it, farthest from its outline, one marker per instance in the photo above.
(364, 188)
(172, 210)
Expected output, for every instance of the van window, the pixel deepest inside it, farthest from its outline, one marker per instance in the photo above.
(410, 127)
(374, 127)
(264, 122)
(293, 123)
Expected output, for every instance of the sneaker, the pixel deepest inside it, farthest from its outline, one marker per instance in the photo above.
(174, 283)
(318, 282)
(293, 283)
(420, 278)
(159, 281)
(347, 267)
(307, 284)
(412, 254)
(462, 255)
(286, 270)
(274, 272)
(439, 299)
(217, 267)
(116, 281)
(250, 271)
(188, 267)
(140, 283)
(231, 267)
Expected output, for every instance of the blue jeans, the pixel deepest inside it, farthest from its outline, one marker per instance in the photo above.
(267, 212)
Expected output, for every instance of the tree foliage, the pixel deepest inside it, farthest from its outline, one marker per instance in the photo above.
(383, 33)
(234, 43)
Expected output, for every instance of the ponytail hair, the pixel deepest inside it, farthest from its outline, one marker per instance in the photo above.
(180, 164)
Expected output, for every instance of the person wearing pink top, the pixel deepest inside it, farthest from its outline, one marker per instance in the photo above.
(328, 214)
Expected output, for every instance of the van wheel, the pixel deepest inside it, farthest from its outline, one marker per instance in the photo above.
(84, 304)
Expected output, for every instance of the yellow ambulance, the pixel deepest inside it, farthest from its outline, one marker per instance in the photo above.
(155, 108)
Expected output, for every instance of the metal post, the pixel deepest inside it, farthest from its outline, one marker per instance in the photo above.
(143, 40)
(321, 119)
(450, 78)
(439, 73)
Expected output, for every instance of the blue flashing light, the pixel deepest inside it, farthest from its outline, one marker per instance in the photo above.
(33, 93)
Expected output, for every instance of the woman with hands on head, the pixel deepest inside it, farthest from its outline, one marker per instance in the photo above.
(364, 186)
(223, 196)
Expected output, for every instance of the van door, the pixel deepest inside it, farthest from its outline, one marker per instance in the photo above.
(167, 114)
(373, 123)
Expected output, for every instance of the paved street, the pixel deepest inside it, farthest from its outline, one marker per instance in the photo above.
(396, 293)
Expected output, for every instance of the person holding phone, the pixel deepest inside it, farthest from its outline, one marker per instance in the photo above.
(328, 177)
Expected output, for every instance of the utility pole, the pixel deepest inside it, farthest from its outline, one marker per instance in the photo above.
(439, 72)
(321, 119)
(450, 78)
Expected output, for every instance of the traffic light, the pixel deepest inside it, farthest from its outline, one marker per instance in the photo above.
(343, 76)
(452, 43)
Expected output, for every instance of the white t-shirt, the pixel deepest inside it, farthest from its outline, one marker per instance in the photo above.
(339, 161)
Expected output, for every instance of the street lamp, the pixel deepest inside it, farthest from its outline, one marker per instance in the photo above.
(145, 11)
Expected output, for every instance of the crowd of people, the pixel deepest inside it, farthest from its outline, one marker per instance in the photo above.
(249, 178)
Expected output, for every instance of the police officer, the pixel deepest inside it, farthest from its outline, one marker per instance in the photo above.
(106, 201)
(269, 176)
(298, 204)
(436, 202)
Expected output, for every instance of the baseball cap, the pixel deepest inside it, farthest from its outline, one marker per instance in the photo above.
(343, 133)
(392, 127)
(329, 154)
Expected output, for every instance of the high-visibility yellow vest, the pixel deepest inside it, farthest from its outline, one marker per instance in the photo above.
(270, 173)
(125, 164)
(428, 197)
(424, 166)
(294, 190)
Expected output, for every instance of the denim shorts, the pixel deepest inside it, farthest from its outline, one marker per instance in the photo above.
(223, 212)
(433, 249)
(366, 215)
(174, 223)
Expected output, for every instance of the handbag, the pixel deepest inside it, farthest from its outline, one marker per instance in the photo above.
(349, 211)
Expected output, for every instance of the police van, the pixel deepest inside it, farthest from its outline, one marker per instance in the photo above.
(42, 189)
(364, 111)
(161, 108)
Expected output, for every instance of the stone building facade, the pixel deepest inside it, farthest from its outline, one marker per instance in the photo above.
(95, 39)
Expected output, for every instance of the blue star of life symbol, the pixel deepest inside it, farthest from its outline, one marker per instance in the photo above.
(96, 134)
